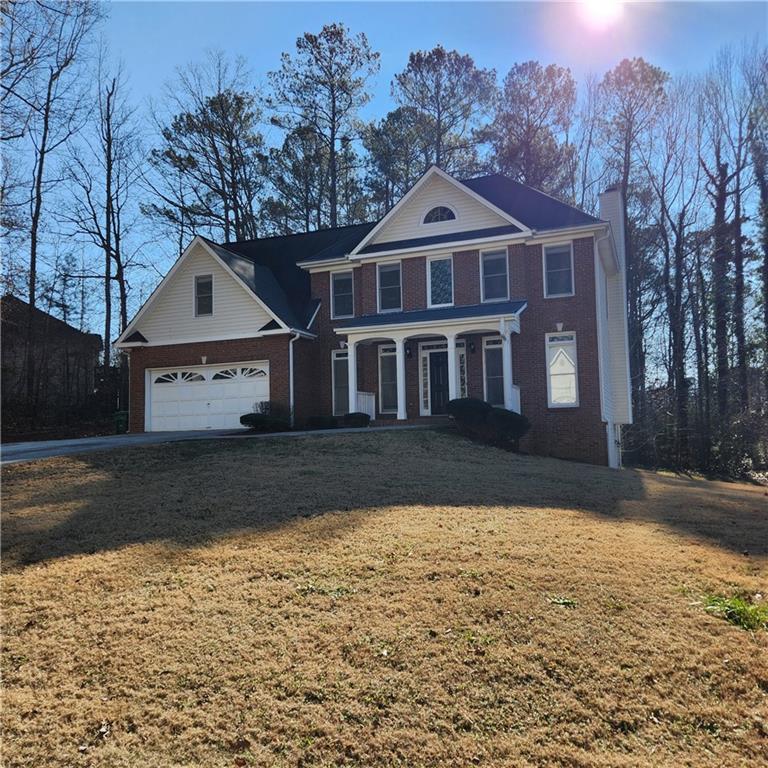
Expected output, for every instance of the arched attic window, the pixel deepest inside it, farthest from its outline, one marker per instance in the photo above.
(439, 213)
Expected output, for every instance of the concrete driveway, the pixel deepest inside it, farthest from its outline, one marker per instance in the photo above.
(12, 453)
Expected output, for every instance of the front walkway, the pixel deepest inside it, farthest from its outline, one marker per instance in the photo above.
(14, 453)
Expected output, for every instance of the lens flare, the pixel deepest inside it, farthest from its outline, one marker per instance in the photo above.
(601, 14)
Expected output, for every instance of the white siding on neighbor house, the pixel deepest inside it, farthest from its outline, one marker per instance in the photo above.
(470, 213)
(171, 317)
(611, 207)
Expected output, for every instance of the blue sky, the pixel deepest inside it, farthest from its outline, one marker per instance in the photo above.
(153, 38)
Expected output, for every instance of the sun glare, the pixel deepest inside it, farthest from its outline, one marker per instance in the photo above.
(602, 13)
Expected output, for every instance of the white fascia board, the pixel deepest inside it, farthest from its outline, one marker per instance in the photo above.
(434, 171)
(314, 314)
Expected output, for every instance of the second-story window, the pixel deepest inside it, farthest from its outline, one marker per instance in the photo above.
(494, 279)
(558, 271)
(440, 281)
(390, 294)
(203, 295)
(342, 295)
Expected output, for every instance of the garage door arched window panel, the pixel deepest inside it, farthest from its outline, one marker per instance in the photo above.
(187, 376)
(228, 373)
(250, 373)
(167, 378)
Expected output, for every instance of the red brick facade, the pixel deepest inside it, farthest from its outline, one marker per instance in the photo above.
(574, 433)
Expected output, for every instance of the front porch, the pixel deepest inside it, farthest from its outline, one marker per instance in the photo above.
(409, 371)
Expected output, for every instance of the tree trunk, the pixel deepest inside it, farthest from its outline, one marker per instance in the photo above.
(738, 301)
(720, 286)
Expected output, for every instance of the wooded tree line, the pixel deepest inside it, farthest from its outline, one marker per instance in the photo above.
(230, 161)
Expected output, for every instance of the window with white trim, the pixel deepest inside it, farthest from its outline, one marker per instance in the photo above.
(494, 279)
(390, 293)
(340, 376)
(203, 295)
(439, 213)
(387, 380)
(342, 294)
(562, 371)
(558, 270)
(440, 282)
(493, 371)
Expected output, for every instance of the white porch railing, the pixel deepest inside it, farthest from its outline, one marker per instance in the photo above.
(366, 403)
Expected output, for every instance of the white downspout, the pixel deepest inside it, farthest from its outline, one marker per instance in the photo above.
(290, 374)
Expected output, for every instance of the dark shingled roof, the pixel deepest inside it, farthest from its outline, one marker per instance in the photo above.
(535, 209)
(286, 291)
(492, 309)
(452, 237)
(136, 338)
(268, 266)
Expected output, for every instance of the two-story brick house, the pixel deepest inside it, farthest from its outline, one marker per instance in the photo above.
(482, 287)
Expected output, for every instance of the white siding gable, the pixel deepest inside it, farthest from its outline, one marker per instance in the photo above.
(171, 317)
(407, 223)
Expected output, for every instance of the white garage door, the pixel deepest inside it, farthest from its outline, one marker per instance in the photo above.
(205, 397)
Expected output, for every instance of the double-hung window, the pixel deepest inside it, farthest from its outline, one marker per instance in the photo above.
(493, 366)
(340, 375)
(493, 275)
(562, 370)
(387, 380)
(440, 281)
(558, 271)
(203, 295)
(390, 293)
(342, 295)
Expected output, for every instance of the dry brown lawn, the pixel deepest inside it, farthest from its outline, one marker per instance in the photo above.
(385, 599)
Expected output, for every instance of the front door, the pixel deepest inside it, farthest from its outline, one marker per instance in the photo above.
(438, 382)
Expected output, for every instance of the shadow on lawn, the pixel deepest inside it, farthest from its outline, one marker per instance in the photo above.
(188, 493)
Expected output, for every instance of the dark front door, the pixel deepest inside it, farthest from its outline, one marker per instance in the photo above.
(438, 382)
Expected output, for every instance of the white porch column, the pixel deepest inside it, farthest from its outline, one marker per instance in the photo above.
(506, 358)
(402, 410)
(352, 374)
(452, 383)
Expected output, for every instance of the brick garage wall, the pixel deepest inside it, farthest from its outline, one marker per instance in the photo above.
(272, 348)
(569, 433)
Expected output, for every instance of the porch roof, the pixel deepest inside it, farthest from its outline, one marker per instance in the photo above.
(422, 316)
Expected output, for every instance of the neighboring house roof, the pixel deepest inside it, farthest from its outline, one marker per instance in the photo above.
(535, 209)
(445, 313)
(15, 314)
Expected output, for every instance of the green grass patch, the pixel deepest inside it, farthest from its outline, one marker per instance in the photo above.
(739, 610)
(565, 602)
